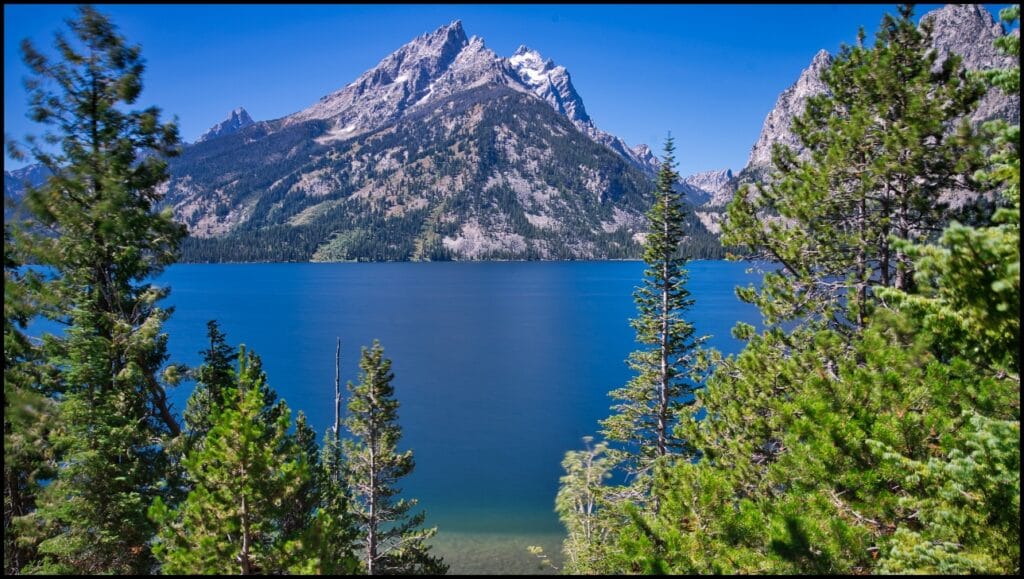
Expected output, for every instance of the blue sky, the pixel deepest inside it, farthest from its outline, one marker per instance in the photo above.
(707, 73)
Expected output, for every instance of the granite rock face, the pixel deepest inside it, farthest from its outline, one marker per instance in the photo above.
(970, 31)
(716, 187)
(789, 105)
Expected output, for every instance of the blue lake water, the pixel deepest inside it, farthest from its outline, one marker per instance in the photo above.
(500, 368)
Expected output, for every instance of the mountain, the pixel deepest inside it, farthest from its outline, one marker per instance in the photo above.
(711, 187)
(970, 31)
(236, 121)
(15, 181)
(443, 150)
(967, 30)
(789, 105)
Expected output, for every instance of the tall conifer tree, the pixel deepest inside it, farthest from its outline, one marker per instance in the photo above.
(882, 146)
(96, 225)
(391, 539)
(661, 390)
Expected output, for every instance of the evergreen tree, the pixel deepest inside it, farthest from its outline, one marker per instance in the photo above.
(391, 539)
(968, 500)
(880, 150)
(334, 523)
(95, 224)
(663, 388)
(247, 476)
(213, 377)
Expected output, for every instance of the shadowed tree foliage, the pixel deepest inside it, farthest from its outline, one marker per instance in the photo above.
(28, 413)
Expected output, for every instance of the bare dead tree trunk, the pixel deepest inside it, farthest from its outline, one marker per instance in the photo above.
(337, 393)
(243, 557)
(663, 394)
(371, 528)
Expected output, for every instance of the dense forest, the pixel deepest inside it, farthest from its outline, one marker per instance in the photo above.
(871, 426)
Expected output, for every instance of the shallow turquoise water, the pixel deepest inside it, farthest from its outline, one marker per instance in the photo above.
(500, 368)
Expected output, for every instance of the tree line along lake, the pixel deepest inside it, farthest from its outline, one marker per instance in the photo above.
(500, 368)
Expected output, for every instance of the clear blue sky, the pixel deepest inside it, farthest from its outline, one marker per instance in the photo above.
(709, 74)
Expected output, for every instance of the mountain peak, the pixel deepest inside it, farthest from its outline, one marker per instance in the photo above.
(439, 64)
(550, 82)
(821, 60)
(236, 120)
(968, 30)
(451, 32)
(712, 188)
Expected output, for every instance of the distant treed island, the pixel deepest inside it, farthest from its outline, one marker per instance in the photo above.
(871, 424)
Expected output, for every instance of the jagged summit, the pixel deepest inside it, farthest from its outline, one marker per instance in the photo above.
(550, 82)
(790, 104)
(821, 60)
(430, 66)
(237, 120)
(716, 185)
(436, 65)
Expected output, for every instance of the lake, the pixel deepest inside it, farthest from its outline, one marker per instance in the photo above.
(500, 368)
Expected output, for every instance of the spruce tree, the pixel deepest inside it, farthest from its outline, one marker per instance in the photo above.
(96, 225)
(247, 476)
(391, 540)
(662, 389)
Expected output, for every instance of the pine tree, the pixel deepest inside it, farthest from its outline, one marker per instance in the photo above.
(391, 539)
(247, 476)
(968, 499)
(213, 377)
(95, 224)
(653, 401)
(881, 150)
